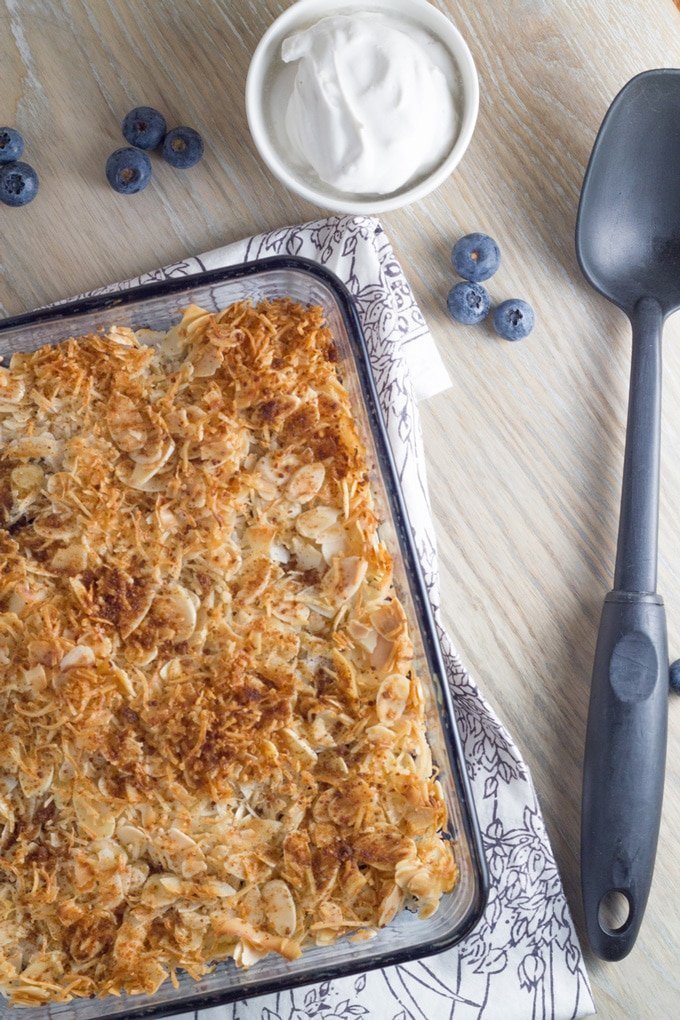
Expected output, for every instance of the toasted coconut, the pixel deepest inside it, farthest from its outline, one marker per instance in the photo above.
(207, 362)
(93, 816)
(127, 425)
(214, 738)
(122, 335)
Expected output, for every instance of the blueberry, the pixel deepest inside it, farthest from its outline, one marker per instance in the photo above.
(11, 145)
(514, 319)
(144, 127)
(674, 676)
(18, 183)
(128, 171)
(468, 303)
(476, 257)
(182, 147)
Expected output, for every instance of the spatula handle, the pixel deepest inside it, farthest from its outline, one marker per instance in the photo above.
(624, 765)
(636, 551)
(625, 752)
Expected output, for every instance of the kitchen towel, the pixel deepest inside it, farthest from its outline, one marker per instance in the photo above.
(523, 960)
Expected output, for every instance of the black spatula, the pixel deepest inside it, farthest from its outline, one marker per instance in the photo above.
(628, 246)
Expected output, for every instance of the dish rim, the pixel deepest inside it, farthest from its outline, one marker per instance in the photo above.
(422, 608)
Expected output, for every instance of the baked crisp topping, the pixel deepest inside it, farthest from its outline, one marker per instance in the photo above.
(214, 739)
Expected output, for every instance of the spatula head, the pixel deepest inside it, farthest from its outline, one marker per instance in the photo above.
(628, 227)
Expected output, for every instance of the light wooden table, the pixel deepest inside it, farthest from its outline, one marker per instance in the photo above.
(525, 450)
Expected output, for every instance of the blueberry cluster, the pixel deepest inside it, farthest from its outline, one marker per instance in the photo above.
(128, 170)
(476, 257)
(18, 181)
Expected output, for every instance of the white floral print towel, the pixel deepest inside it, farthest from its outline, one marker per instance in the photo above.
(523, 961)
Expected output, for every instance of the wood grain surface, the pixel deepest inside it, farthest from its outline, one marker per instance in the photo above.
(525, 450)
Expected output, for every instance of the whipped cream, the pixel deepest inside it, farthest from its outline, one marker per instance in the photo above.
(373, 101)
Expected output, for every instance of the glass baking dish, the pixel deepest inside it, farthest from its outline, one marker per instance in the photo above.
(406, 938)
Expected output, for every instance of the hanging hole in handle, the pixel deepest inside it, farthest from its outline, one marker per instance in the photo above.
(615, 912)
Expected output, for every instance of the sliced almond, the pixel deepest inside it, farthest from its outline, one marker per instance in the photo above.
(34, 784)
(246, 955)
(214, 889)
(153, 449)
(299, 744)
(344, 578)
(160, 890)
(56, 526)
(392, 697)
(314, 523)
(133, 838)
(365, 636)
(179, 840)
(176, 607)
(12, 387)
(279, 907)
(389, 905)
(307, 555)
(333, 542)
(305, 483)
(39, 447)
(81, 655)
(382, 654)
(138, 476)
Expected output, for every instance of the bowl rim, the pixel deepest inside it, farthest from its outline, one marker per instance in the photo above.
(442, 28)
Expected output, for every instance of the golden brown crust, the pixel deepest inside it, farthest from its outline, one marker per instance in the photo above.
(214, 741)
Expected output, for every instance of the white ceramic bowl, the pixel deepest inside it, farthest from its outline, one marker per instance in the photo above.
(270, 81)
